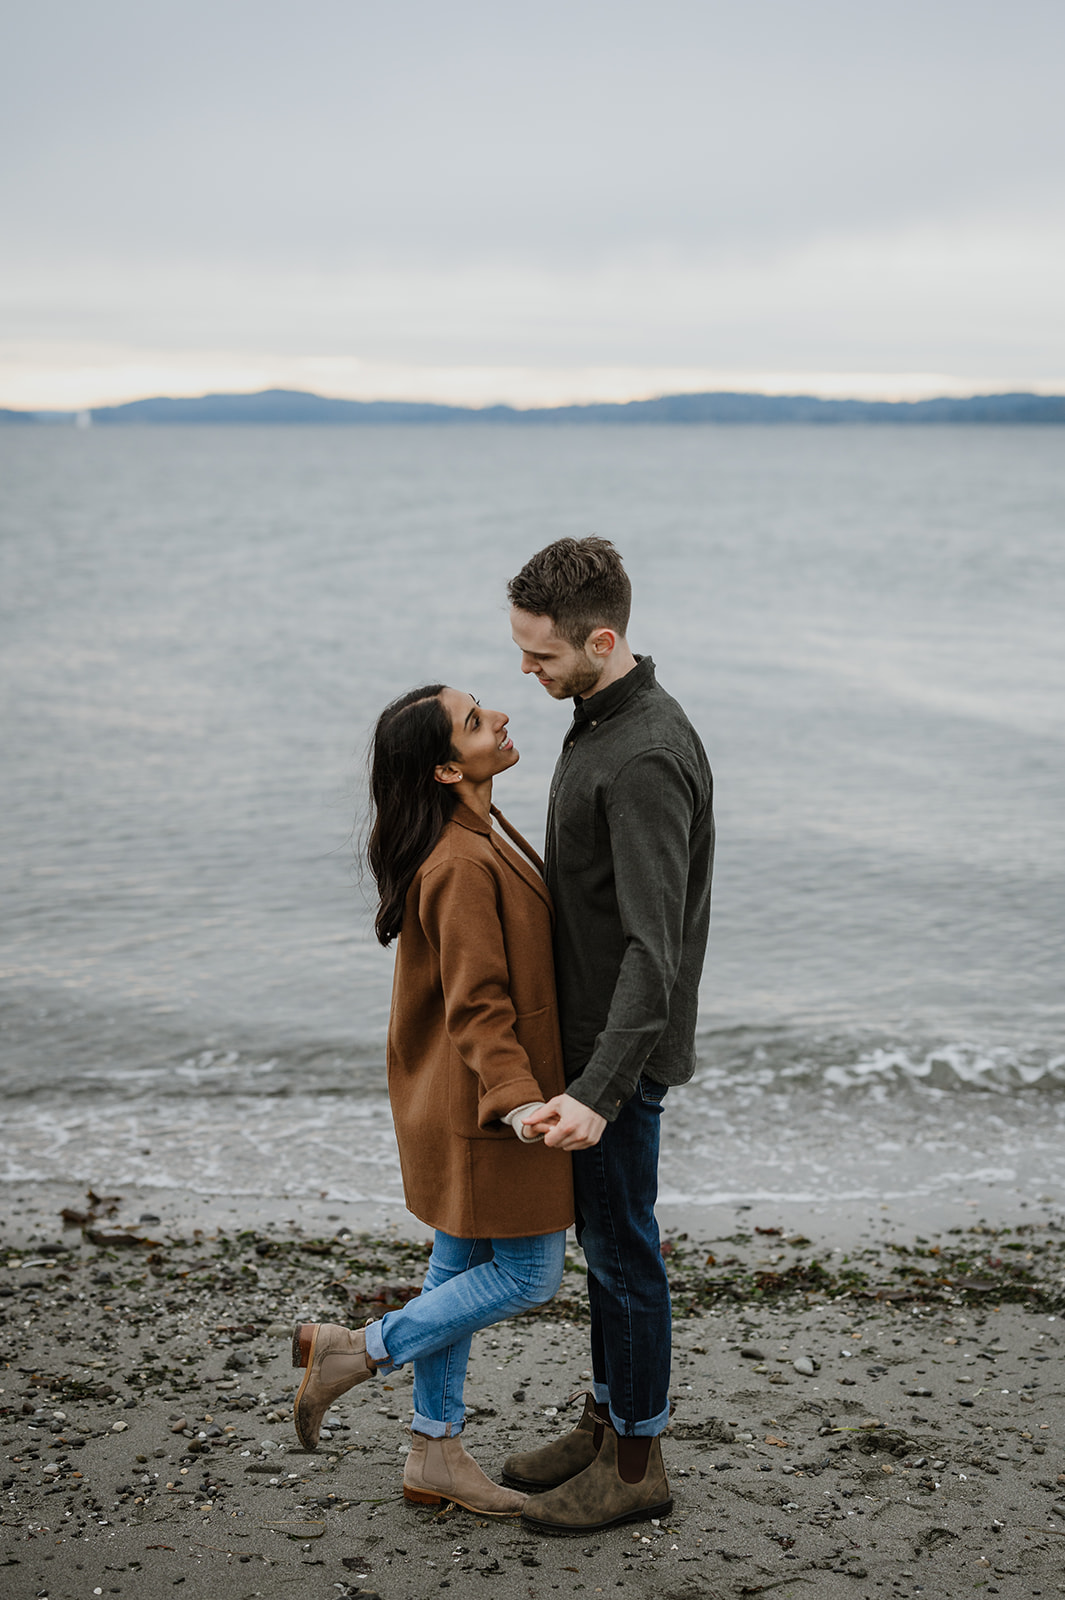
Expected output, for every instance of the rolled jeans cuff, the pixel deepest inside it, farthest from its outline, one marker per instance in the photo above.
(375, 1349)
(435, 1429)
(635, 1430)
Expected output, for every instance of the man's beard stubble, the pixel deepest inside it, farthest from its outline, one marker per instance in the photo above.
(581, 680)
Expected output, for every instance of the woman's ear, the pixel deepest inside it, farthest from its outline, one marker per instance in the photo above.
(447, 773)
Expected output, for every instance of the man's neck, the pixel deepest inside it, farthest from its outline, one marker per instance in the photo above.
(621, 663)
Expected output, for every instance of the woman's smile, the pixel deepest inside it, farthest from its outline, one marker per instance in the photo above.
(481, 743)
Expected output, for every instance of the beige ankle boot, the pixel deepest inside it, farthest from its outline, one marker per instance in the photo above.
(336, 1360)
(443, 1469)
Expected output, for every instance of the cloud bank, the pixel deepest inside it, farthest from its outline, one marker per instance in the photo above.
(480, 203)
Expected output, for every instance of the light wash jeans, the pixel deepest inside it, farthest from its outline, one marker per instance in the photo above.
(470, 1284)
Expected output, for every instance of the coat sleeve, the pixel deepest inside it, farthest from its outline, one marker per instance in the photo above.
(459, 913)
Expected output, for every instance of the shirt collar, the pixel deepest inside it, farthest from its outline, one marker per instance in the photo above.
(611, 699)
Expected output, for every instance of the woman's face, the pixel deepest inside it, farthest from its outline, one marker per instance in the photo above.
(478, 737)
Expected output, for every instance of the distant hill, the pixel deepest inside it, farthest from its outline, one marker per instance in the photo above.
(288, 406)
(277, 406)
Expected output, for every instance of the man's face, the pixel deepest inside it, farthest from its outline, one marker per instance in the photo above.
(563, 670)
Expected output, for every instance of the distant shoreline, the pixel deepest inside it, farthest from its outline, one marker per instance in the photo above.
(273, 407)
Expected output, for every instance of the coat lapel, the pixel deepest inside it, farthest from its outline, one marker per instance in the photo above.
(514, 858)
(521, 859)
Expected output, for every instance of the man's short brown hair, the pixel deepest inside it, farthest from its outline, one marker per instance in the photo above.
(580, 584)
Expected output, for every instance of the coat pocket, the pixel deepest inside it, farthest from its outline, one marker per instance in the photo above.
(537, 1034)
(465, 1091)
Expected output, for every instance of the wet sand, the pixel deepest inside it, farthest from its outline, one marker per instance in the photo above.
(918, 1447)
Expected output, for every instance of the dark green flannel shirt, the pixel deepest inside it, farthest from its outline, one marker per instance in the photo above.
(629, 858)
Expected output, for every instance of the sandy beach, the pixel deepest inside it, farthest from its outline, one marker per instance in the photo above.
(878, 1414)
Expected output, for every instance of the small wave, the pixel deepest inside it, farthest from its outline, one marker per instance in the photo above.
(736, 1066)
(951, 1067)
(755, 1065)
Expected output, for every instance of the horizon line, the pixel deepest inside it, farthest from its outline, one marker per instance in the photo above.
(475, 409)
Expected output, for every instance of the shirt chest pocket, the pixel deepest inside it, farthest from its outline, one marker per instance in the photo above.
(576, 826)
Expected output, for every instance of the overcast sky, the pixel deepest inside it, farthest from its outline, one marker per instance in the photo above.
(477, 200)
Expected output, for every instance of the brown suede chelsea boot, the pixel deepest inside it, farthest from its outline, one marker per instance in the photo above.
(563, 1458)
(599, 1497)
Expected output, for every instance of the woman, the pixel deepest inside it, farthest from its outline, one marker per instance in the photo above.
(473, 1048)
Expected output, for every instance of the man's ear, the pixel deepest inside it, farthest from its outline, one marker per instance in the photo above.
(601, 641)
(447, 773)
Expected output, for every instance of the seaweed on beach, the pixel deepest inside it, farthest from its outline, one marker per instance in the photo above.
(366, 1274)
(370, 1274)
(966, 1272)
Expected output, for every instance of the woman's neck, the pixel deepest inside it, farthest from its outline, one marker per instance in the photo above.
(478, 796)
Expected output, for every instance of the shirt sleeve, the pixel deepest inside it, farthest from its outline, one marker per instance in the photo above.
(459, 913)
(650, 808)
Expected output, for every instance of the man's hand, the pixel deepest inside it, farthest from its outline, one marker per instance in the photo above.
(566, 1123)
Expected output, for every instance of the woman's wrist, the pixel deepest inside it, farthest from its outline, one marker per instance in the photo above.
(516, 1120)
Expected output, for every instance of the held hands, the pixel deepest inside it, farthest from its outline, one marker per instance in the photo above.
(566, 1123)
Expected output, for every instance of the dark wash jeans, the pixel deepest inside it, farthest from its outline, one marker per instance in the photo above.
(616, 1185)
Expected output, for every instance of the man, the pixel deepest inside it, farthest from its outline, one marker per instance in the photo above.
(629, 857)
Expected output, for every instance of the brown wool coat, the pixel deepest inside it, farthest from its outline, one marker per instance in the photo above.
(473, 1033)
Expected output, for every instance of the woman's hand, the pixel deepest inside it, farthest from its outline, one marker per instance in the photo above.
(567, 1124)
(516, 1119)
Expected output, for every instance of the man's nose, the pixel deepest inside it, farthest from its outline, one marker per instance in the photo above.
(527, 665)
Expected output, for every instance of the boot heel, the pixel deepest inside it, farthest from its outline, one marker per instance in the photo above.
(421, 1497)
(302, 1340)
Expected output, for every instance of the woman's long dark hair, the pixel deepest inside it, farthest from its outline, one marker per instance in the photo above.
(409, 807)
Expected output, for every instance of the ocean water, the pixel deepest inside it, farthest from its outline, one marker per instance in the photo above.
(199, 627)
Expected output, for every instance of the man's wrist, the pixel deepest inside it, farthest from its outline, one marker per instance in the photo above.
(606, 1105)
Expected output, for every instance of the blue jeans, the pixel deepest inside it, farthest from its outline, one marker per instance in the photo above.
(470, 1284)
(615, 1186)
